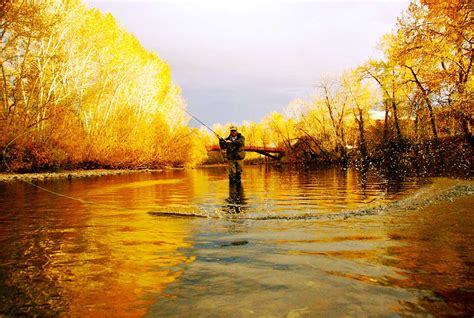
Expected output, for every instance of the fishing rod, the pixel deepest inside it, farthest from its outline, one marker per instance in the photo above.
(217, 135)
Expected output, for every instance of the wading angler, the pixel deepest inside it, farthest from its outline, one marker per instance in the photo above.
(234, 146)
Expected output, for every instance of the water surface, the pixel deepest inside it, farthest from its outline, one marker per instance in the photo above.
(282, 244)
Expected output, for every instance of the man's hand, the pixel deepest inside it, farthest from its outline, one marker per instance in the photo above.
(228, 141)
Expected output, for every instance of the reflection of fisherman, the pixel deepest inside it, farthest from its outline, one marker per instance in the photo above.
(234, 144)
(236, 201)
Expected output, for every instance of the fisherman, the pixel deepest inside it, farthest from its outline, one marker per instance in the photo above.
(234, 145)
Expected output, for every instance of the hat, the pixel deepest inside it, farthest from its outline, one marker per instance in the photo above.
(233, 128)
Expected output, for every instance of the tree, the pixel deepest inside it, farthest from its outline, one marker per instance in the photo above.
(434, 43)
(360, 101)
(336, 103)
(392, 82)
(84, 90)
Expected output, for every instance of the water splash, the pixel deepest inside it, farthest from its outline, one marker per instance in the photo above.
(183, 211)
(433, 194)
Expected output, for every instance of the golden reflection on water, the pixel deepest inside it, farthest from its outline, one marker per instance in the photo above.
(435, 253)
(429, 249)
(90, 261)
(133, 255)
(122, 262)
(65, 258)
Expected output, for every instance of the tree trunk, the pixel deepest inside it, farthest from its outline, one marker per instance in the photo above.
(428, 105)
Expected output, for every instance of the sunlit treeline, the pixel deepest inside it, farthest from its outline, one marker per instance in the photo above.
(414, 104)
(78, 90)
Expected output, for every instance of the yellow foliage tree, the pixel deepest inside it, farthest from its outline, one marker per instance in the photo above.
(79, 90)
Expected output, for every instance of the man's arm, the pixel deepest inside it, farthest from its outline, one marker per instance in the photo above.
(222, 143)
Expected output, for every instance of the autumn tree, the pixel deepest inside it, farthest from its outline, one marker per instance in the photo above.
(360, 101)
(78, 89)
(434, 42)
(336, 101)
(393, 83)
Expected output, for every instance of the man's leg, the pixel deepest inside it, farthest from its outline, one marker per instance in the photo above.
(232, 170)
(239, 168)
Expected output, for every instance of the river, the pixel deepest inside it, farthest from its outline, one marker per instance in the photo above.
(286, 243)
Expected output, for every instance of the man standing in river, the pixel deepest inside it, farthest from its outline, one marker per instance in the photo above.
(234, 145)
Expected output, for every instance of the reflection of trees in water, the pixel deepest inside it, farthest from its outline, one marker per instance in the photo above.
(26, 286)
(85, 262)
(236, 202)
(436, 255)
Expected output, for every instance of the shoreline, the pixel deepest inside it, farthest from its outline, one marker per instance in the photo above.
(78, 173)
(69, 174)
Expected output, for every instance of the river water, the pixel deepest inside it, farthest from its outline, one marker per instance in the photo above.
(286, 243)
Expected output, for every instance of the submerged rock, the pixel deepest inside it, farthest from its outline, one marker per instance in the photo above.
(235, 243)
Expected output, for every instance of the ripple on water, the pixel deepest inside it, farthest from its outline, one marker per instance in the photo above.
(187, 243)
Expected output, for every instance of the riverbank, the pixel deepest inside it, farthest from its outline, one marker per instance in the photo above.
(72, 174)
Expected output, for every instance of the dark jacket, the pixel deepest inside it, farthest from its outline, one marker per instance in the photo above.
(235, 149)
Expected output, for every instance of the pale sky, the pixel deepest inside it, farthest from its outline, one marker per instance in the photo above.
(240, 60)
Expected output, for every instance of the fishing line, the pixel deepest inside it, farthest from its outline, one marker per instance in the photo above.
(4, 155)
(4, 152)
(170, 211)
(76, 199)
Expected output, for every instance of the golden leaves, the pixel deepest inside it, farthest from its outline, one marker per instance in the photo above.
(123, 109)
